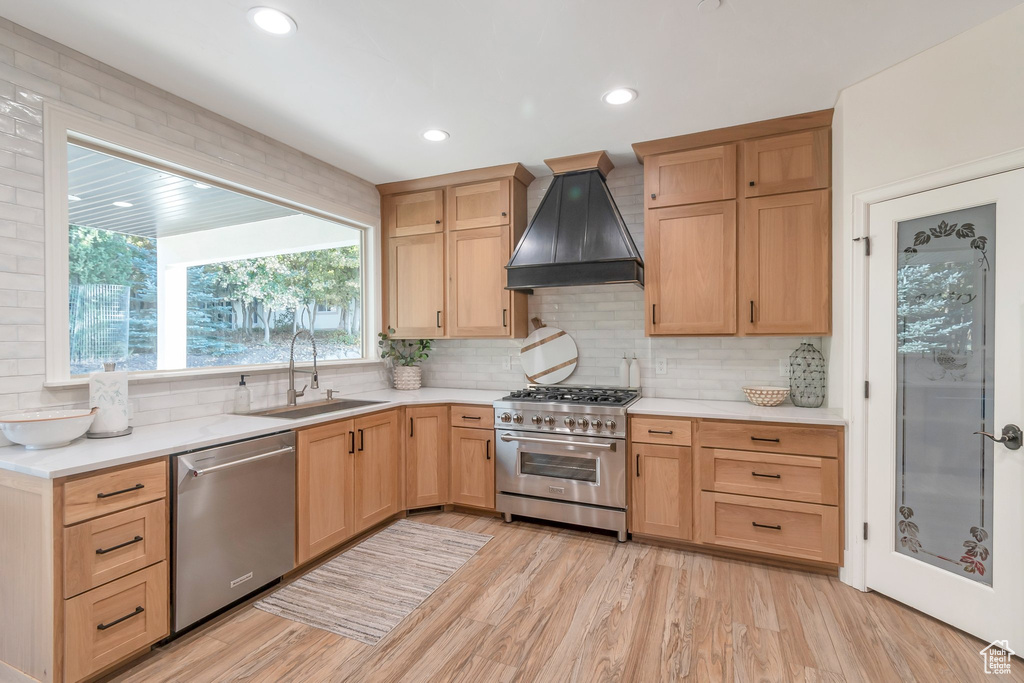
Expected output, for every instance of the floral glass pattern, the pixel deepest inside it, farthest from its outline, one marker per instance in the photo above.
(945, 288)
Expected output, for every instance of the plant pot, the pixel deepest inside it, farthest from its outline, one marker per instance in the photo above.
(408, 377)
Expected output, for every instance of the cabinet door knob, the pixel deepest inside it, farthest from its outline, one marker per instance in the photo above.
(437, 222)
(654, 196)
(439, 319)
(503, 213)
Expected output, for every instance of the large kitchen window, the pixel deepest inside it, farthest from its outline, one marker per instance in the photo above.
(166, 272)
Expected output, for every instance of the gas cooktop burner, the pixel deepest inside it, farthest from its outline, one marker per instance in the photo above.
(589, 395)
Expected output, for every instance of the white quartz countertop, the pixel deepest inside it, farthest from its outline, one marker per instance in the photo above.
(151, 441)
(736, 410)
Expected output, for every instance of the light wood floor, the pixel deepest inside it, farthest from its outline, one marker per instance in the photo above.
(542, 603)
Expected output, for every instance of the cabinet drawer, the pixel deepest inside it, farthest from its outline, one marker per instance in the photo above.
(115, 620)
(662, 430)
(788, 477)
(109, 492)
(800, 531)
(771, 438)
(477, 417)
(109, 547)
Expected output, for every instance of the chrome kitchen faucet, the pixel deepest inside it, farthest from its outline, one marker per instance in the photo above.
(292, 394)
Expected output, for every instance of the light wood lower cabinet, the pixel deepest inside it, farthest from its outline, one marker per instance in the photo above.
(324, 515)
(111, 622)
(662, 488)
(426, 456)
(376, 476)
(473, 467)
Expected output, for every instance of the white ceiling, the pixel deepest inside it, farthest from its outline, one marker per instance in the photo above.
(511, 81)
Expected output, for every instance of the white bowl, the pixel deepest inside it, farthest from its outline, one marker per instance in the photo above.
(46, 428)
(766, 396)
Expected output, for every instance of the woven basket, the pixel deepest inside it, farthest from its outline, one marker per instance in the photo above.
(408, 377)
(766, 396)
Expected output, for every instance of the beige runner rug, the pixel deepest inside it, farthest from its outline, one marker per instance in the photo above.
(366, 591)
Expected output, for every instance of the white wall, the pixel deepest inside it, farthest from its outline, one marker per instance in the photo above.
(607, 321)
(960, 101)
(34, 69)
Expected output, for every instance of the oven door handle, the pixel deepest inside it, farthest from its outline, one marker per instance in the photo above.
(557, 442)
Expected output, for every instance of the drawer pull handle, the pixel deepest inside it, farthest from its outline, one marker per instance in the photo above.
(470, 417)
(104, 551)
(761, 438)
(118, 493)
(660, 431)
(115, 622)
(766, 476)
(776, 527)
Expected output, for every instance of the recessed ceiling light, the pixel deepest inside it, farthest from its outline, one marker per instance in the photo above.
(124, 205)
(74, 198)
(271, 20)
(435, 135)
(201, 186)
(619, 96)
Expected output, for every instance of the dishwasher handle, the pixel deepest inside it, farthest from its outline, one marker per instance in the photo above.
(237, 463)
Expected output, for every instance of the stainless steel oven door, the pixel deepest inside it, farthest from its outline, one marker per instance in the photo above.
(574, 469)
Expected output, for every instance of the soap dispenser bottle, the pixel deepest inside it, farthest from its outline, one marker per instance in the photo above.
(243, 397)
(624, 372)
(634, 373)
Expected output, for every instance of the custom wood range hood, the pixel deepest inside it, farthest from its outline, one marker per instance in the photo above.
(577, 236)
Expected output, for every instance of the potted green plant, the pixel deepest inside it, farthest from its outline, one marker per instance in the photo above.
(405, 356)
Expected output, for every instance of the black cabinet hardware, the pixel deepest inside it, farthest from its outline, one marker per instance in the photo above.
(751, 311)
(766, 476)
(115, 622)
(360, 439)
(118, 493)
(351, 442)
(654, 196)
(638, 464)
(410, 426)
(761, 438)
(776, 527)
(504, 317)
(654, 314)
(487, 449)
(104, 551)
(504, 213)
(751, 183)
(659, 431)
(470, 417)
(437, 222)
(439, 319)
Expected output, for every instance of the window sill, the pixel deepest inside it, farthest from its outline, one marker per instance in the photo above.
(149, 377)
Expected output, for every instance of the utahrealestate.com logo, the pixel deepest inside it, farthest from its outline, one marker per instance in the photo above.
(997, 656)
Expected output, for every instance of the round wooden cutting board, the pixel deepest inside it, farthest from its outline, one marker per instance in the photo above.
(548, 356)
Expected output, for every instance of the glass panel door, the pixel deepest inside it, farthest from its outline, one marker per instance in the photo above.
(945, 365)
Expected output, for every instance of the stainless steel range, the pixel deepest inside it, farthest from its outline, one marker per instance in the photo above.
(561, 455)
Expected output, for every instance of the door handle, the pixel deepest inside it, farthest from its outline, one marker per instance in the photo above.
(638, 464)
(439, 320)
(654, 314)
(361, 444)
(504, 317)
(558, 442)
(487, 449)
(237, 463)
(351, 442)
(751, 311)
(410, 427)
(1011, 437)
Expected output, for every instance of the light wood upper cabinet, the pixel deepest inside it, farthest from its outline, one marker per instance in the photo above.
(416, 213)
(376, 468)
(323, 488)
(426, 456)
(416, 275)
(478, 303)
(690, 260)
(473, 467)
(785, 265)
(786, 163)
(662, 490)
(690, 177)
(479, 205)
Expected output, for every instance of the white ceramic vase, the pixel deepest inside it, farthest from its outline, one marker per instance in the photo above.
(408, 377)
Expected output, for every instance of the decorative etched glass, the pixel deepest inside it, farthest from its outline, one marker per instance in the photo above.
(945, 296)
(807, 376)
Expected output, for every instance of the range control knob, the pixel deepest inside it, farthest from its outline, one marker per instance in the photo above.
(549, 420)
(611, 425)
(517, 418)
(536, 419)
(506, 417)
(597, 424)
(583, 423)
(570, 423)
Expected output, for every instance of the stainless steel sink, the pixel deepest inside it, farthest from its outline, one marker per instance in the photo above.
(309, 409)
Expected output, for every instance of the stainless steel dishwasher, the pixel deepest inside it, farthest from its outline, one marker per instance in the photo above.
(233, 523)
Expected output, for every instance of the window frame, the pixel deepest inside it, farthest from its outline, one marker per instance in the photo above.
(62, 126)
